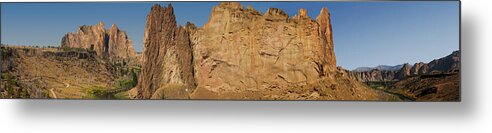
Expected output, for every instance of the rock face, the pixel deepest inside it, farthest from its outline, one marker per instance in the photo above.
(374, 75)
(241, 49)
(112, 43)
(380, 67)
(448, 64)
(167, 56)
(244, 54)
(404, 71)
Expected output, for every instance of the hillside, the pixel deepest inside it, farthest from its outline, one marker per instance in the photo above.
(30, 72)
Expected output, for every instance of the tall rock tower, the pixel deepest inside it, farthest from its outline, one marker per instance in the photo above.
(167, 55)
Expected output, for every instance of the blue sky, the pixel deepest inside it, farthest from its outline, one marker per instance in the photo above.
(365, 33)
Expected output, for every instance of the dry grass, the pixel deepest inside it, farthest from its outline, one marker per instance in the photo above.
(61, 78)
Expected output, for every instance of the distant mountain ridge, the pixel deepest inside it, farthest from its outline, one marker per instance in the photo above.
(447, 64)
(380, 67)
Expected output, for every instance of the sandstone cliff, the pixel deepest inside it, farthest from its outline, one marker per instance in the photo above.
(112, 43)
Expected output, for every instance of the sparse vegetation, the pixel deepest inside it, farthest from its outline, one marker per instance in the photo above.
(72, 49)
(96, 92)
(12, 88)
(386, 87)
(380, 85)
(118, 92)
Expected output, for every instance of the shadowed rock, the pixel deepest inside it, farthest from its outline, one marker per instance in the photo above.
(167, 57)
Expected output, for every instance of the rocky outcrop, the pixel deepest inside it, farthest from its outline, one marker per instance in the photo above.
(448, 64)
(404, 71)
(241, 53)
(112, 43)
(326, 32)
(167, 56)
(418, 69)
(240, 49)
(119, 45)
(380, 67)
(374, 75)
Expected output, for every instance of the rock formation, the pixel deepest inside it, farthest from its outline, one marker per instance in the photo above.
(241, 53)
(448, 64)
(119, 45)
(240, 49)
(404, 71)
(167, 56)
(373, 75)
(107, 43)
(380, 67)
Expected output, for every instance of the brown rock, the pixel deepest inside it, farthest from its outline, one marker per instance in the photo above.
(119, 45)
(325, 31)
(416, 68)
(238, 50)
(107, 43)
(373, 75)
(167, 55)
(243, 54)
(302, 14)
(449, 64)
(404, 71)
(275, 14)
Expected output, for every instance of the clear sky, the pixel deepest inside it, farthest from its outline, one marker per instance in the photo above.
(365, 33)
